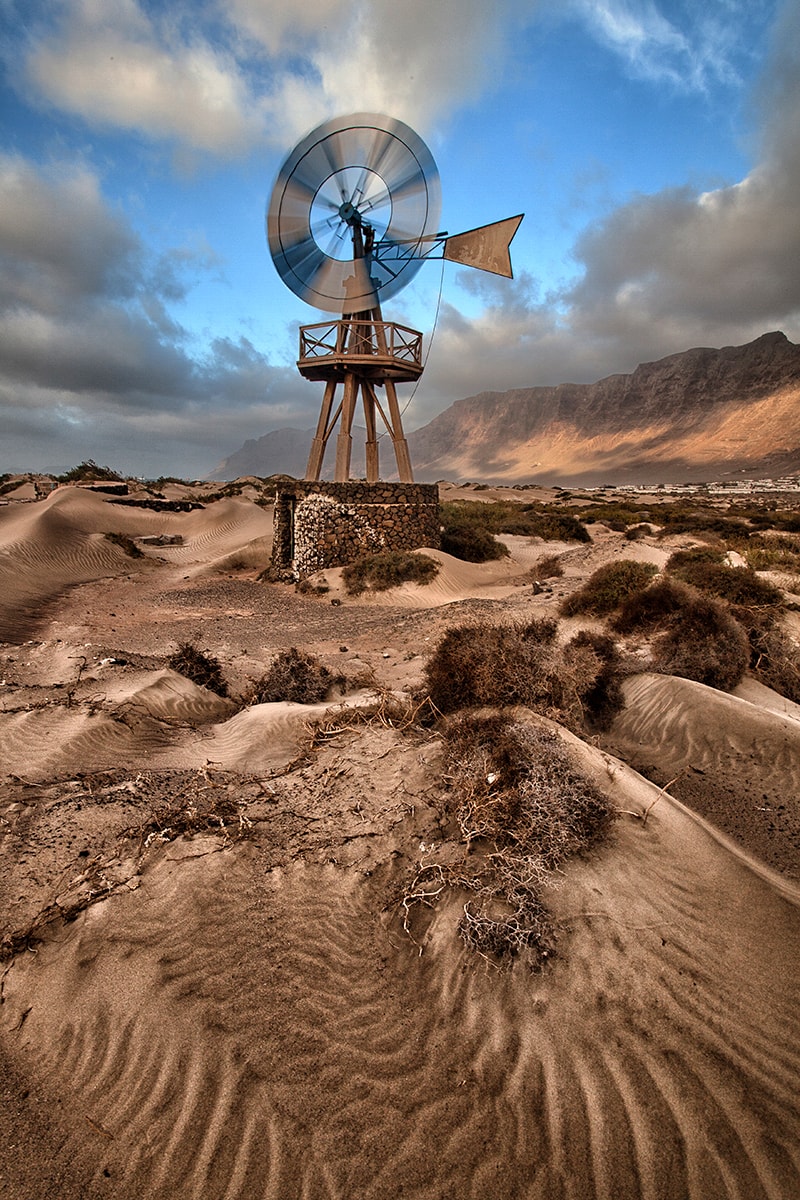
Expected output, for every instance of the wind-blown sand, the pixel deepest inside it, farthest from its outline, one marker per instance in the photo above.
(247, 1018)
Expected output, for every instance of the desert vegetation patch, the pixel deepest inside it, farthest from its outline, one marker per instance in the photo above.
(482, 664)
(522, 810)
(608, 588)
(295, 676)
(388, 569)
(203, 669)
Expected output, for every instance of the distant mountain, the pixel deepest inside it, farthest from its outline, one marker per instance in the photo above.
(697, 415)
(284, 451)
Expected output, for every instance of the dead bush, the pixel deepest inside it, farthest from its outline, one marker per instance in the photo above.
(202, 669)
(125, 543)
(704, 642)
(484, 665)
(775, 660)
(608, 588)
(295, 676)
(522, 809)
(547, 567)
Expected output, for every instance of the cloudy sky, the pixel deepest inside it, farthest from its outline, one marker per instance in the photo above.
(654, 146)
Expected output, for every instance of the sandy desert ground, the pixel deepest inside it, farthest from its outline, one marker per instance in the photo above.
(234, 1017)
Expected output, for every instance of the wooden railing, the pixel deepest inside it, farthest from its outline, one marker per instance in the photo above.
(361, 340)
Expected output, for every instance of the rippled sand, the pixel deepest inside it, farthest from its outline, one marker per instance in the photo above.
(243, 1018)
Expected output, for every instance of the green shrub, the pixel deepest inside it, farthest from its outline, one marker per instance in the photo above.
(703, 642)
(202, 669)
(774, 552)
(507, 516)
(388, 569)
(472, 544)
(608, 587)
(88, 471)
(558, 527)
(295, 676)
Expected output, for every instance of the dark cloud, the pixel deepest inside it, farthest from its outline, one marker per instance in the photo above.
(92, 359)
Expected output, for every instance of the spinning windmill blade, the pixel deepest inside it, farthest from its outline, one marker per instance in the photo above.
(354, 213)
(361, 177)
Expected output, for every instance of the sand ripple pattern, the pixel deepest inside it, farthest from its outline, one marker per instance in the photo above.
(682, 722)
(248, 1034)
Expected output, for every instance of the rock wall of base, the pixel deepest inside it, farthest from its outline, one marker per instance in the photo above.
(322, 524)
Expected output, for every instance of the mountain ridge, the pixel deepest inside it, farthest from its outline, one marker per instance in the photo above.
(697, 414)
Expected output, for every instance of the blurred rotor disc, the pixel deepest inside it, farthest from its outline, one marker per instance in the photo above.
(365, 170)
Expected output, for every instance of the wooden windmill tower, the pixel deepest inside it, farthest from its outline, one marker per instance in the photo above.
(352, 217)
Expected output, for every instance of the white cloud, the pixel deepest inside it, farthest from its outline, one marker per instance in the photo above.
(114, 65)
(658, 274)
(693, 46)
(263, 72)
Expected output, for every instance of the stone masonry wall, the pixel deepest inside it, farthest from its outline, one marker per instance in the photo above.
(323, 524)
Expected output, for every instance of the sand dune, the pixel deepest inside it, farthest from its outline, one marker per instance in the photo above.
(659, 1057)
(240, 1014)
(48, 547)
(736, 762)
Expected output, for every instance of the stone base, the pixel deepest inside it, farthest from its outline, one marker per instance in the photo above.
(320, 525)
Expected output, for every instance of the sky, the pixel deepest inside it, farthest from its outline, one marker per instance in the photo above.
(653, 145)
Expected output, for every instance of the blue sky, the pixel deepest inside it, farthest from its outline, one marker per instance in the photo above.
(653, 145)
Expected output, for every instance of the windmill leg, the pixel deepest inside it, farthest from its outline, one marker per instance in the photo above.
(321, 437)
(398, 438)
(368, 396)
(344, 442)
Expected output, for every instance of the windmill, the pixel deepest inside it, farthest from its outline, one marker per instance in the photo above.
(353, 216)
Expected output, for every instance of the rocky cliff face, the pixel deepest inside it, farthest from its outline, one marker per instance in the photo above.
(688, 416)
(697, 415)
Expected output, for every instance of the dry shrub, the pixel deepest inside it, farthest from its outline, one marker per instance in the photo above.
(635, 533)
(547, 567)
(772, 552)
(202, 669)
(295, 676)
(704, 569)
(125, 543)
(185, 816)
(388, 569)
(387, 711)
(652, 607)
(775, 660)
(522, 810)
(597, 667)
(608, 588)
(704, 642)
(484, 665)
